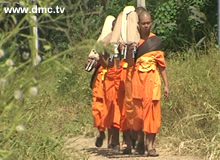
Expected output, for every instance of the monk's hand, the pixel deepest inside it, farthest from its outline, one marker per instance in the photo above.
(87, 62)
(166, 92)
(121, 47)
(131, 46)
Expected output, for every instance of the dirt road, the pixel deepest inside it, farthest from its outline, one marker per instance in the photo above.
(80, 148)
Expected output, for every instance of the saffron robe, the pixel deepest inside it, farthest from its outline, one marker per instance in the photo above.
(146, 86)
(98, 105)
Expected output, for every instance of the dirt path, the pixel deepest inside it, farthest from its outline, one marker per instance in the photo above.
(83, 148)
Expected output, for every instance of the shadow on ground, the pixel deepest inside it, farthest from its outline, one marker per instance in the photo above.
(111, 154)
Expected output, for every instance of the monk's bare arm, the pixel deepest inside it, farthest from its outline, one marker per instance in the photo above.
(129, 58)
(165, 80)
(103, 59)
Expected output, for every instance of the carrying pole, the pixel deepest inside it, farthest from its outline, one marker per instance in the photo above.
(141, 3)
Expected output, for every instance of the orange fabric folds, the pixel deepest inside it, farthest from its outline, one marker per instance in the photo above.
(111, 87)
(128, 98)
(98, 105)
(146, 79)
(121, 98)
(146, 91)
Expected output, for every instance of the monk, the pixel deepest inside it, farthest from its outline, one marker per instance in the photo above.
(112, 113)
(129, 110)
(149, 64)
(111, 87)
(108, 113)
(139, 10)
(112, 79)
(114, 87)
(124, 128)
(98, 99)
(98, 104)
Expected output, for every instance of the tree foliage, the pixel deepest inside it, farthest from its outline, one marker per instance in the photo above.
(183, 22)
(180, 23)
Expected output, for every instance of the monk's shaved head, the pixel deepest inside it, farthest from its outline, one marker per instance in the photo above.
(144, 14)
(139, 10)
(144, 23)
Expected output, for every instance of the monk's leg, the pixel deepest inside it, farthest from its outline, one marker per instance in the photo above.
(152, 126)
(101, 132)
(140, 146)
(97, 109)
(115, 138)
(100, 137)
(150, 138)
(123, 140)
(127, 139)
(110, 137)
(134, 137)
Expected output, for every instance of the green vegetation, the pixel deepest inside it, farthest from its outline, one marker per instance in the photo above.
(42, 104)
(191, 115)
(184, 23)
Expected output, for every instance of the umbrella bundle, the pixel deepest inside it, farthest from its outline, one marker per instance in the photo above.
(115, 32)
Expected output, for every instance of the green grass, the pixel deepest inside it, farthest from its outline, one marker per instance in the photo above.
(59, 109)
(191, 116)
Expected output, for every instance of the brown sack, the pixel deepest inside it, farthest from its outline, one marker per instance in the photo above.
(132, 28)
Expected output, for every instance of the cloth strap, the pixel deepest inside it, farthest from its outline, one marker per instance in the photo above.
(153, 43)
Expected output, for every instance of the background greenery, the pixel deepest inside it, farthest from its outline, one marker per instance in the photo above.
(35, 126)
(182, 24)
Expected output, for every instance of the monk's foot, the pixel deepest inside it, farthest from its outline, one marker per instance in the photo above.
(99, 139)
(152, 153)
(127, 150)
(124, 145)
(133, 143)
(140, 149)
(102, 134)
(114, 147)
(99, 142)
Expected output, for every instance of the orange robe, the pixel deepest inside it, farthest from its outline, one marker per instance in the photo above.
(146, 92)
(121, 98)
(98, 105)
(111, 87)
(129, 109)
